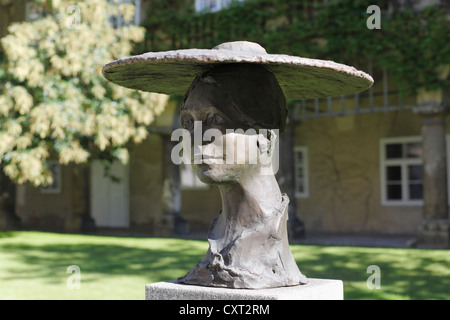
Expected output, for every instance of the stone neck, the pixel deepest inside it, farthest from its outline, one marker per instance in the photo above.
(249, 201)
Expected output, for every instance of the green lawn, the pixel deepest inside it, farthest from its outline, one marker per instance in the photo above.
(33, 265)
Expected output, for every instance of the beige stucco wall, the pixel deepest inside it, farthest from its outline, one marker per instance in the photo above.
(344, 169)
(200, 206)
(61, 211)
(45, 210)
(146, 184)
(344, 180)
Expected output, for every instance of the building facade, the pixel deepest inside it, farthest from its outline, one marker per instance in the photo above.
(362, 164)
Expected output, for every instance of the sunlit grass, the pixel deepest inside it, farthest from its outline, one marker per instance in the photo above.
(33, 265)
(404, 273)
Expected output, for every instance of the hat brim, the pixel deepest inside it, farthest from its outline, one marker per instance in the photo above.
(172, 72)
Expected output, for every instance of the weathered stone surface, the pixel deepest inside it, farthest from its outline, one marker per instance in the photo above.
(253, 257)
(316, 289)
(171, 72)
(248, 242)
(238, 86)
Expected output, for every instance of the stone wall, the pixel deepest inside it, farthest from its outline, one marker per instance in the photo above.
(345, 179)
(46, 211)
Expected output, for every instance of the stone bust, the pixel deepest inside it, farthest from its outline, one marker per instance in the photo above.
(248, 243)
(238, 85)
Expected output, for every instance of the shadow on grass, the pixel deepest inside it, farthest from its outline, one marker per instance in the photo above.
(7, 234)
(51, 261)
(404, 273)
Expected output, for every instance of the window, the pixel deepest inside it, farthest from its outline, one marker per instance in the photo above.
(301, 172)
(212, 5)
(189, 179)
(401, 171)
(55, 187)
(117, 21)
(35, 11)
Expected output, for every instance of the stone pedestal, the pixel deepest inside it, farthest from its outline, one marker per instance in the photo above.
(316, 289)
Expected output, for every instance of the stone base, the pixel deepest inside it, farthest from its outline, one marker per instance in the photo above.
(434, 234)
(316, 289)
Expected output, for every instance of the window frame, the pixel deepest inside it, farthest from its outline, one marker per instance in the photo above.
(30, 9)
(305, 166)
(33, 11)
(200, 5)
(137, 14)
(403, 163)
(56, 187)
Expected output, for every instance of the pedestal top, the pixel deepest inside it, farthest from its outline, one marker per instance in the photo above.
(316, 289)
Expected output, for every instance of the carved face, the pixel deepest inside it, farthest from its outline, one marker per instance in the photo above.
(245, 97)
(225, 157)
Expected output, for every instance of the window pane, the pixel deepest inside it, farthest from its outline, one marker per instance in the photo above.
(394, 151)
(416, 191)
(394, 192)
(415, 173)
(394, 173)
(55, 169)
(301, 188)
(300, 173)
(414, 150)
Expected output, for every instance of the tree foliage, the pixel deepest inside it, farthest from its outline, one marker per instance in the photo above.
(54, 102)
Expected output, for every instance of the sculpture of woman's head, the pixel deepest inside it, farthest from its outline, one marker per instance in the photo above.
(234, 97)
(240, 86)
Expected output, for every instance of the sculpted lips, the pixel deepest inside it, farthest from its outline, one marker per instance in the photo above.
(241, 148)
(213, 160)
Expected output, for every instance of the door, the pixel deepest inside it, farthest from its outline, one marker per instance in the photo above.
(110, 205)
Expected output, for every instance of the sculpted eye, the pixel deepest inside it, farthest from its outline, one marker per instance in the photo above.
(216, 120)
(188, 123)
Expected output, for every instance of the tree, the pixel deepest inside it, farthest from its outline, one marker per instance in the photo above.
(54, 102)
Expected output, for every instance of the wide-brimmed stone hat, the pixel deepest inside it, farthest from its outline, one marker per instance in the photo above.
(172, 72)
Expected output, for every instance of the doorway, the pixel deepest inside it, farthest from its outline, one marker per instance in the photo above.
(110, 201)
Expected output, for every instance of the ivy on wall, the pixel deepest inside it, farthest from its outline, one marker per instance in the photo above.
(413, 45)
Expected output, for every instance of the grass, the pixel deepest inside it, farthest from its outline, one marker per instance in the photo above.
(33, 265)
